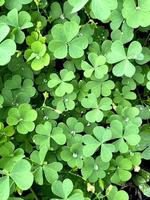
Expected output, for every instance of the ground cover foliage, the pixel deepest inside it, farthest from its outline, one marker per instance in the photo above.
(74, 99)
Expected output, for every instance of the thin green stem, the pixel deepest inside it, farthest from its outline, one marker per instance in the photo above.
(35, 197)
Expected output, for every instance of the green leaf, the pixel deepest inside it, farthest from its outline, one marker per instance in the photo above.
(51, 171)
(102, 9)
(4, 188)
(10, 4)
(121, 195)
(23, 117)
(62, 189)
(118, 55)
(136, 15)
(4, 30)
(77, 5)
(7, 47)
(21, 174)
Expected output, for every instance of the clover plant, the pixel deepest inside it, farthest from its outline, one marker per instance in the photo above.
(74, 99)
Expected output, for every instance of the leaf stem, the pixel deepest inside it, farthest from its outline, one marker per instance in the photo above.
(35, 197)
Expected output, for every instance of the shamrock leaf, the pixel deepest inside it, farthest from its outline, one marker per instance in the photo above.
(94, 169)
(102, 87)
(64, 190)
(144, 112)
(2, 2)
(118, 55)
(125, 35)
(16, 91)
(23, 117)
(96, 114)
(18, 171)
(125, 138)
(19, 21)
(116, 17)
(66, 40)
(102, 9)
(37, 17)
(77, 4)
(101, 136)
(65, 103)
(136, 15)
(98, 66)
(61, 15)
(37, 55)
(5, 132)
(128, 116)
(73, 155)
(4, 188)
(7, 46)
(122, 172)
(21, 174)
(45, 133)
(50, 170)
(10, 4)
(113, 193)
(72, 128)
(62, 84)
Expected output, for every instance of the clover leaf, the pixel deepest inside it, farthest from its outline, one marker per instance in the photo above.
(64, 190)
(94, 169)
(66, 40)
(37, 55)
(23, 118)
(128, 116)
(45, 133)
(20, 174)
(102, 9)
(61, 83)
(7, 46)
(19, 21)
(50, 170)
(65, 103)
(73, 155)
(102, 87)
(2, 2)
(61, 15)
(136, 15)
(4, 188)
(116, 17)
(98, 140)
(39, 19)
(113, 193)
(16, 91)
(98, 66)
(124, 138)
(144, 112)
(10, 4)
(122, 172)
(97, 106)
(72, 128)
(125, 35)
(118, 55)
(77, 5)
(5, 132)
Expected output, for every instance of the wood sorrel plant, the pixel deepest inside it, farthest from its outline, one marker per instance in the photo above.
(74, 99)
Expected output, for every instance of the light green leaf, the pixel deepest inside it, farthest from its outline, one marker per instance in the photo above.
(77, 4)
(21, 174)
(4, 188)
